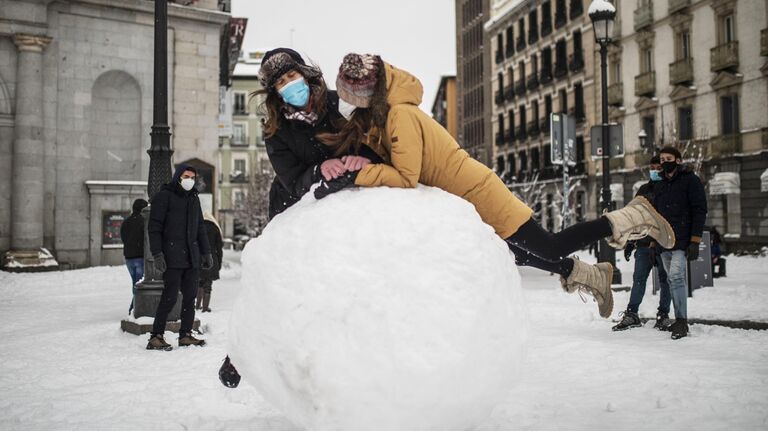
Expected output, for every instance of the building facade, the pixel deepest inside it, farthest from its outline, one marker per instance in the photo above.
(444, 106)
(694, 74)
(473, 91)
(542, 64)
(242, 154)
(76, 81)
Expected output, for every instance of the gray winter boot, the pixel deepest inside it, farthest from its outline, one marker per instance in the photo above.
(594, 280)
(637, 220)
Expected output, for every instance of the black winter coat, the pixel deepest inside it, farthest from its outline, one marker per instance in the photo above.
(683, 202)
(132, 236)
(296, 155)
(216, 244)
(176, 227)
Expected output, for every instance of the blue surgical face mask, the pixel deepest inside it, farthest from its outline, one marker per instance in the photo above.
(295, 93)
(655, 175)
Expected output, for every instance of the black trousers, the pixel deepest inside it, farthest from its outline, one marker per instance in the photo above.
(534, 246)
(175, 279)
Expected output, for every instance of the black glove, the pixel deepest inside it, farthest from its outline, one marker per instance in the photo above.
(693, 251)
(228, 375)
(160, 265)
(628, 250)
(340, 183)
(207, 262)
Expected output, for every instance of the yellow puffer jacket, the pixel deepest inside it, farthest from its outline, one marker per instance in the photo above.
(420, 150)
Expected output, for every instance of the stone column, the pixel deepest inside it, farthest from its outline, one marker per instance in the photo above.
(28, 147)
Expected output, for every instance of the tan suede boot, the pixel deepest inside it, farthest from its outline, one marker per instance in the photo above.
(157, 342)
(637, 220)
(189, 340)
(594, 280)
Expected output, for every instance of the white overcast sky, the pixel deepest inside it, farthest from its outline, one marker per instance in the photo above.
(416, 35)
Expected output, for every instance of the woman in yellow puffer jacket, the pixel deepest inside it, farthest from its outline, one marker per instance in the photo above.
(381, 103)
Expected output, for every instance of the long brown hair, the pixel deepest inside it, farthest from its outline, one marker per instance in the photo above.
(364, 121)
(274, 105)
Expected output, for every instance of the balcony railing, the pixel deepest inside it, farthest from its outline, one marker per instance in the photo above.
(510, 50)
(645, 84)
(577, 8)
(546, 27)
(521, 133)
(545, 77)
(616, 94)
(533, 128)
(533, 36)
(509, 136)
(520, 88)
(560, 19)
(764, 42)
(678, 5)
(499, 138)
(643, 16)
(724, 145)
(499, 97)
(576, 62)
(238, 178)
(725, 56)
(544, 124)
(561, 68)
(239, 141)
(520, 43)
(533, 81)
(681, 71)
(499, 57)
(509, 92)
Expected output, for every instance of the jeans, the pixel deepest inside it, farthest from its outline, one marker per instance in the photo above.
(136, 269)
(676, 265)
(174, 280)
(643, 267)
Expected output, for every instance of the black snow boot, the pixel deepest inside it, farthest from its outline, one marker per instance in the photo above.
(679, 329)
(157, 342)
(630, 320)
(663, 322)
(228, 374)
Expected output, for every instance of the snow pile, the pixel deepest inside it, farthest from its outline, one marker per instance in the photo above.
(380, 309)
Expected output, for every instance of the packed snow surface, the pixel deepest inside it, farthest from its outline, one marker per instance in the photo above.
(380, 309)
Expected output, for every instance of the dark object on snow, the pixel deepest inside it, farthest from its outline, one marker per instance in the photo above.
(157, 342)
(663, 322)
(132, 232)
(228, 374)
(337, 184)
(679, 328)
(630, 320)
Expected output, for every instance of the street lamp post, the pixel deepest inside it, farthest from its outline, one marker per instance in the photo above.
(602, 14)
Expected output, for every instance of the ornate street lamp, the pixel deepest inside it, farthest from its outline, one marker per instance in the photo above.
(643, 138)
(602, 14)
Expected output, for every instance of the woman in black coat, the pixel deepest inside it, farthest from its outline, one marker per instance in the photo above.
(208, 276)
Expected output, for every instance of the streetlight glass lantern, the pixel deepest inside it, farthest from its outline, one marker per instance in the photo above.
(643, 137)
(602, 14)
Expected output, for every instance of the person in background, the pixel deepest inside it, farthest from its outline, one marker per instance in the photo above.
(132, 236)
(179, 246)
(646, 258)
(718, 261)
(208, 276)
(681, 199)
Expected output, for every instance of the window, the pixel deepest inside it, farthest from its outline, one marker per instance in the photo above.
(240, 108)
(500, 77)
(511, 164)
(512, 122)
(616, 69)
(501, 125)
(563, 96)
(238, 197)
(239, 167)
(684, 45)
(546, 18)
(578, 95)
(535, 113)
(499, 48)
(547, 106)
(685, 123)
(511, 74)
(535, 159)
(729, 114)
(534, 65)
(533, 27)
(523, 120)
(510, 48)
(239, 134)
(728, 34)
(649, 125)
(521, 68)
(521, 34)
(500, 165)
(646, 60)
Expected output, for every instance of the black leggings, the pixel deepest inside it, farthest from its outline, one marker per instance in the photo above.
(539, 248)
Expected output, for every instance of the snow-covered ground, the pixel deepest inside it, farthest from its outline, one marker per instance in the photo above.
(65, 364)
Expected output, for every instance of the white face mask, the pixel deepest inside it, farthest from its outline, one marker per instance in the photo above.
(187, 183)
(346, 109)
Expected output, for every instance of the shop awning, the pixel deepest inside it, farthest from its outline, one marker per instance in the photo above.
(725, 183)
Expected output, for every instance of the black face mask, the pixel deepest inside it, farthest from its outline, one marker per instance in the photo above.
(669, 167)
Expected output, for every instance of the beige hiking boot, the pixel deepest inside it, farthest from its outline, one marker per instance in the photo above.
(593, 280)
(189, 340)
(637, 220)
(157, 342)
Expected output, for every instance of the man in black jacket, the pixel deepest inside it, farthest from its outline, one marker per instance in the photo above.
(680, 198)
(179, 245)
(132, 236)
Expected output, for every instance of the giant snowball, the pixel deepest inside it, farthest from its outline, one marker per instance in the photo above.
(380, 309)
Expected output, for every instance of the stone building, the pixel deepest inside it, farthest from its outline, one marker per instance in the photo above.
(694, 74)
(472, 66)
(76, 79)
(444, 106)
(542, 64)
(242, 155)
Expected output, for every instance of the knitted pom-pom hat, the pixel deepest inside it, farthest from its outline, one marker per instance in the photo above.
(357, 78)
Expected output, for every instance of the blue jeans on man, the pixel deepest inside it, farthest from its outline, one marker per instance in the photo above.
(643, 267)
(676, 265)
(136, 269)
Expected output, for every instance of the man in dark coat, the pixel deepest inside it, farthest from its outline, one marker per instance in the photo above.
(646, 258)
(132, 236)
(207, 277)
(680, 198)
(179, 245)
